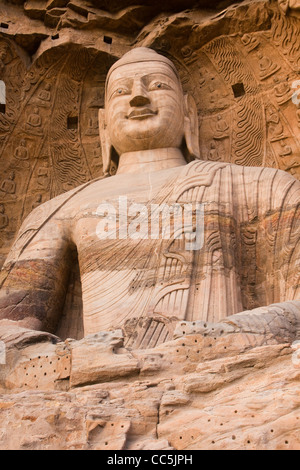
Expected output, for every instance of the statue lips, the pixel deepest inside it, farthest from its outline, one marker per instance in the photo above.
(142, 113)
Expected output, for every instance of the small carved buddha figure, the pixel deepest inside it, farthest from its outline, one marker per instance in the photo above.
(213, 154)
(286, 149)
(222, 128)
(249, 42)
(275, 126)
(34, 122)
(21, 154)
(281, 88)
(97, 161)
(43, 175)
(93, 126)
(298, 116)
(45, 94)
(37, 201)
(3, 217)
(246, 39)
(2, 58)
(266, 66)
(143, 281)
(8, 185)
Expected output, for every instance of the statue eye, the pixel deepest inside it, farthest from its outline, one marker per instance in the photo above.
(120, 91)
(158, 86)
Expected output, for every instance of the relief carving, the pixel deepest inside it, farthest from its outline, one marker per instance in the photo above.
(21, 155)
(3, 217)
(211, 121)
(34, 123)
(8, 185)
(266, 66)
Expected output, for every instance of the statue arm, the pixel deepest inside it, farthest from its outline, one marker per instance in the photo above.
(278, 251)
(278, 262)
(34, 277)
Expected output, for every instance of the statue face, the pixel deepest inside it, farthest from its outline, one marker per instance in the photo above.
(144, 107)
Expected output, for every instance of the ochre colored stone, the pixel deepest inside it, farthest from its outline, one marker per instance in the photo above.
(118, 329)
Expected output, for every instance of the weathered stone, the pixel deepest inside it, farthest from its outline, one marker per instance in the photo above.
(147, 344)
(97, 358)
(238, 414)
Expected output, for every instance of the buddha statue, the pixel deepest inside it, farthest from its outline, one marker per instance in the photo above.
(243, 275)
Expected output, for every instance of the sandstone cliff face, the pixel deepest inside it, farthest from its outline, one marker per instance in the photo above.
(239, 391)
(241, 62)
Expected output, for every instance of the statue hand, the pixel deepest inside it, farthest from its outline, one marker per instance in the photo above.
(203, 328)
(277, 322)
(16, 336)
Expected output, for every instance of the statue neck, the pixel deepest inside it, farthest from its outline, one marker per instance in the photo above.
(147, 161)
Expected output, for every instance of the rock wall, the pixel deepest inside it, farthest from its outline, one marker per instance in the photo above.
(237, 391)
(241, 62)
(240, 65)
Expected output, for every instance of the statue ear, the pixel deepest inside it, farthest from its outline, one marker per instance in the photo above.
(105, 143)
(191, 129)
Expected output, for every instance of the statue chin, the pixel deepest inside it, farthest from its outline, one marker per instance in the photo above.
(146, 135)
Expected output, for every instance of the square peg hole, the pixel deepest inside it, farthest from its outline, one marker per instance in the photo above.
(4, 25)
(238, 90)
(2, 108)
(72, 122)
(107, 39)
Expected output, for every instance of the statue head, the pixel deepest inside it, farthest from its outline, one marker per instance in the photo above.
(145, 108)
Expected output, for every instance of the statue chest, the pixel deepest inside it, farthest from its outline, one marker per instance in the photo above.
(148, 265)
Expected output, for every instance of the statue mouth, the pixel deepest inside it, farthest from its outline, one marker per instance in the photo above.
(142, 113)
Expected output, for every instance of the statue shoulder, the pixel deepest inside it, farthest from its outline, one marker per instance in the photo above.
(268, 188)
(51, 208)
(286, 188)
(39, 217)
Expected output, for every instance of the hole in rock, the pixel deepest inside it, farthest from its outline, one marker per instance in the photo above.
(4, 25)
(107, 39)
(55, 36)
(238, 90)
(72, 122)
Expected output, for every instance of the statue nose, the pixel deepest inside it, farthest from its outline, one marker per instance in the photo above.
(139, 96)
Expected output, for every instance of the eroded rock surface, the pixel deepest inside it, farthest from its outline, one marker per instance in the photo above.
(194, 392)
(234, 386)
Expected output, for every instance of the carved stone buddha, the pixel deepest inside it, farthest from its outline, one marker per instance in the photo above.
(249, 258)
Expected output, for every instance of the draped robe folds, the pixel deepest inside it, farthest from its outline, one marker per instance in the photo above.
(250, 255)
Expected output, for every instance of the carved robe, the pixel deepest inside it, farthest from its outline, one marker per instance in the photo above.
(250, 256)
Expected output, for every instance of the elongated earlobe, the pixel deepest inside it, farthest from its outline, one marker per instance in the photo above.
(105, 143)
(191, 129)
